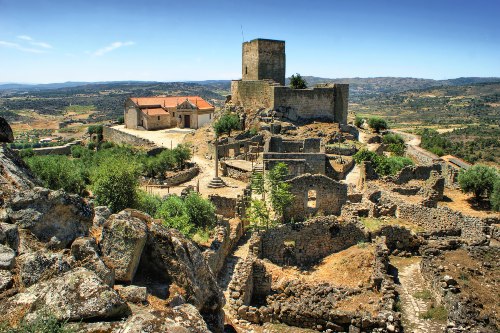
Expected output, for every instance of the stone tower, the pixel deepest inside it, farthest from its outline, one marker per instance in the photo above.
(264, 59)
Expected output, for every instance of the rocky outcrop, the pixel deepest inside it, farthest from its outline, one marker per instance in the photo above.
(54, 217)
(77, 295)
(7, 257)
(40, 266)
(9, 235)
(101, 214)
(169, 256)
(85, 253)
(6, 134)
(122, 240)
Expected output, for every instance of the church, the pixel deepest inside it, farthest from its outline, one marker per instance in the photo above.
(154, 113)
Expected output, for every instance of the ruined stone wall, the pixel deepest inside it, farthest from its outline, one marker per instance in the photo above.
(290, 146)
(305, 104)
(420, 155)
(223, 205)
(235, 148)
(310, 241)
(329, 196)
(419, 172)
(341, 103)
(182, 176)
(314, 162)
(252, 94)
(117, 136)
(264, 59)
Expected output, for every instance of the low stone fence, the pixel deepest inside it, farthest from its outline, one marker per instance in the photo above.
(336, 150)
(117, 136)
(182, 176)
(420, 155)
(57, 150)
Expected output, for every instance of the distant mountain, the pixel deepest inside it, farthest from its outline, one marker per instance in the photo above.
(358, 86)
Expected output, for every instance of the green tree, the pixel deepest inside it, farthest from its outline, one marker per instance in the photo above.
(495, 196)
(181, 154)
(258, 215)
(377, 124)
(174, 215)
(226, 123)
(366, 155)
(478, 179)
(358, 121)
(114, 183)
(280, 194)
(201, 212)
(395, 143)
(392, 165)
(297, 82)
(257, 182)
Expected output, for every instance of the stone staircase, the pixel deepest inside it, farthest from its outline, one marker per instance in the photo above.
(216, 182)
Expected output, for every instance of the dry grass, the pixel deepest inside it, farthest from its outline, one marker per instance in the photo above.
(348, 268)
(459, 201)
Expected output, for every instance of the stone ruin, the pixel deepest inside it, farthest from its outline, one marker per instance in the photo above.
(255, 298)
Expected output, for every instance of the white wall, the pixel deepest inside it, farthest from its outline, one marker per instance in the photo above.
(205, 118)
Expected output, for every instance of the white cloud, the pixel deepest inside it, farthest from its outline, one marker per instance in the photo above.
(34, 42)
(111, 47)
(24, 37)
(19, 47)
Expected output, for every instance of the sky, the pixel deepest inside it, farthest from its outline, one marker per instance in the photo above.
(43, 41)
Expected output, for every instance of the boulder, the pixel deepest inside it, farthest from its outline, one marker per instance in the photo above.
(122, 241)
(9, 235)
(6, 280)
(6, 134)
(41, 265)
(170, 256)
(84, 251)
(14, 174)
(7, 257)
(54, 217)
(77, 295)
(133, 294)
(101, 214)
(180, 319)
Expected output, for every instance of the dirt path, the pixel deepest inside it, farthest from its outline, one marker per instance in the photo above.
(412, 284)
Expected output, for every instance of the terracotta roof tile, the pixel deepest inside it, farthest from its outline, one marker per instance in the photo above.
(155, 112)
(171, 101)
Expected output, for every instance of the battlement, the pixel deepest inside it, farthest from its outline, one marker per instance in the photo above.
(264, 59)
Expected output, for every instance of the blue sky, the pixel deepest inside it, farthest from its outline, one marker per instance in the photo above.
(53, 41)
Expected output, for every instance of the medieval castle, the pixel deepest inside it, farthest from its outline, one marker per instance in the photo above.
(263, 86)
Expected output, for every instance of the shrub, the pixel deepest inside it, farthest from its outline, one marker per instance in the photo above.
(358, 121)
(227, 123)
(201, 212)
(174, 215)
(181, 154)
(114, 183)
(297, 82)
(26, 153)
(258, 214)
(57, 172)
(95, 129)
(120, 120)
(366, 155)
(392, 165)
(478, 179)
(280, 193)
(377, 124)
(438, 313)
(43, 323)
(147, 203)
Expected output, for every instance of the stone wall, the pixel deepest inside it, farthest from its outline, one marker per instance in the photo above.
(315, 194)
(313, 162)
(252, 94)
(182, 176)
(233, 171)
(305, 104)
(57, 150)
(223, 205)
(419, 172)
(117, 136)
(303, 244)
(420, 155)
(234, 148)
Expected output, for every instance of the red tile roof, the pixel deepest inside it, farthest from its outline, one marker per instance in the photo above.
(155, 112)
(171, 101)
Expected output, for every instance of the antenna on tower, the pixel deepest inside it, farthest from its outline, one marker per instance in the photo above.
(242, 36)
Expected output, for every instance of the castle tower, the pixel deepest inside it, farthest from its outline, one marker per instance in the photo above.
(264, 59)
